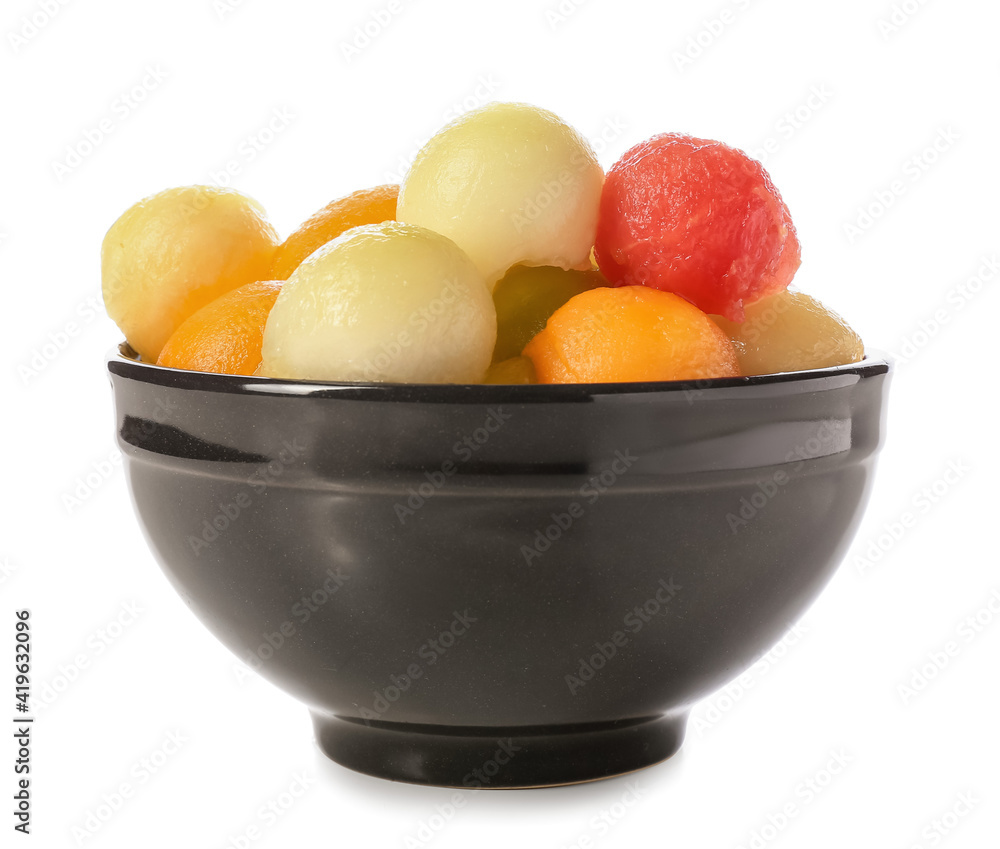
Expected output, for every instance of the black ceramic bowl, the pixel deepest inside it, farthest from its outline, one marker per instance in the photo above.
(499, 586)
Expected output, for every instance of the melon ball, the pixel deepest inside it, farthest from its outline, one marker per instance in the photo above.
(173, 253)
(508, 183)
(386, 302)
(698, 218)
(791, 331)
(629, 334)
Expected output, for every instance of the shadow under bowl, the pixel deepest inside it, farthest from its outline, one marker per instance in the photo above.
(499, 586)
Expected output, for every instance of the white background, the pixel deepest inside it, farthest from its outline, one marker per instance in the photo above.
(882, 95)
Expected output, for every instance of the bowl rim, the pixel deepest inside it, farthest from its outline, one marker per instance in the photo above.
(122, 361)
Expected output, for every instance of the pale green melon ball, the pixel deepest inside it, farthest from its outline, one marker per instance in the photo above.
(385, 302)
(508, 183)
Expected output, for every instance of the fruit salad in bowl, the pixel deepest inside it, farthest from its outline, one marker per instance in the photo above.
(507, 255)
(568, 444)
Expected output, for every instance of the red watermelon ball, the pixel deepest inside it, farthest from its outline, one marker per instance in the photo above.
(697, 218)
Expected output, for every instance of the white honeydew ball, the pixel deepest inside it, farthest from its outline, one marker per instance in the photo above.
(385, 302)
(508, 183)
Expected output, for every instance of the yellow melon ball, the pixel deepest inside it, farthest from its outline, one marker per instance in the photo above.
(508, 183)
(384, 302)
(791, 331)
(171, 254)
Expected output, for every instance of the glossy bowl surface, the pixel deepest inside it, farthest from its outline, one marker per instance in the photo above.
(499, 586)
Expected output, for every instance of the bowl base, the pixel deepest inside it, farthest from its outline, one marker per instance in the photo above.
(498, 758)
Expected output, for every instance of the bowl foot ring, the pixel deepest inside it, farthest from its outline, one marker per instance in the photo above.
(498, 758)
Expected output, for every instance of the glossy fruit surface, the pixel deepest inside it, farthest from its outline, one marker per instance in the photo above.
(697, 218)
(791, 331)
(368, 206)
(509, 183)
(173, 253)
(632, 333)
(386, 302)
(224, 336)
(526, 296)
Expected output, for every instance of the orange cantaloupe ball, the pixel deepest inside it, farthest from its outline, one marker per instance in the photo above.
(631, 333)
(224, 336)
